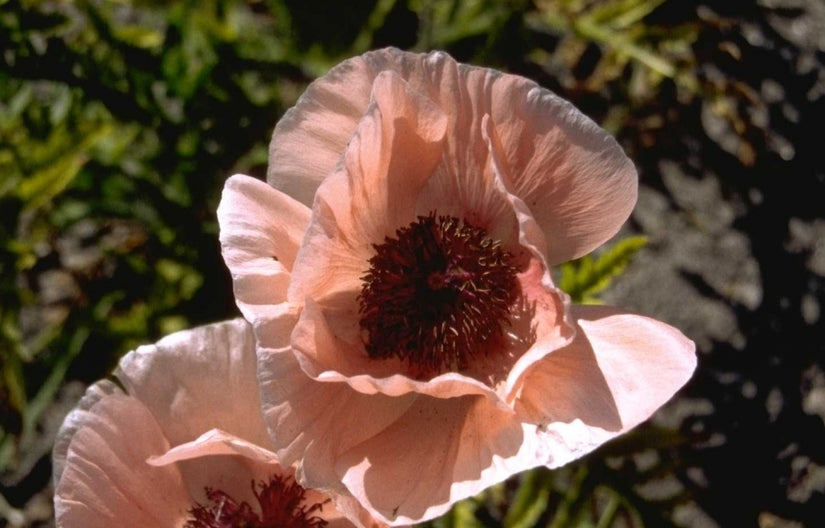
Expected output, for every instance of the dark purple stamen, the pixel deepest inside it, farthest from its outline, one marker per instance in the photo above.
(436, 295)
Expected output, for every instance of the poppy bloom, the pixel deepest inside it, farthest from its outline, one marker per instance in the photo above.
(412, 212)
(180, 442)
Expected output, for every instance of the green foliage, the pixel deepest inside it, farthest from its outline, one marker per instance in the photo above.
(651, 53)
(530, 500)
(462, 515)
(447, 23)
(585, 278)
(119, 123)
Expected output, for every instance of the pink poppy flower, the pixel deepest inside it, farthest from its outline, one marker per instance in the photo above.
(180, 442)
(413, 209)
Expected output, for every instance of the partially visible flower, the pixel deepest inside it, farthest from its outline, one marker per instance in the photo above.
(432, 355)
(178, 441)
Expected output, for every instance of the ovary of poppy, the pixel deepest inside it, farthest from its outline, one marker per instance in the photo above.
(413, 208)
(180, 442)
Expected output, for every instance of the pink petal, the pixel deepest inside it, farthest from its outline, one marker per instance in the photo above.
(214, 442)
(195, 380)
(105, 482)
(355, 208)
(390, 157)
(437, 453)
(414, 453)
(261, 231)
(246, 204)
(372, 193)
(620, 368)
(313, 421)
(322, 122)
(572, 174)
(223, 461)
(327, 114)
(547, 312)
(78, 418)
(349, 512)
(530, 235)
(176, 387)
(326, 358)
(230, 464)
(615, 375)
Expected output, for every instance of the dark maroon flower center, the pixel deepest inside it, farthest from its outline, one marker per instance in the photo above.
(281, 506)
(437, 295)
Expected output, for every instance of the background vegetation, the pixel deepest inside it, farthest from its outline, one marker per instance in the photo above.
(120, 120)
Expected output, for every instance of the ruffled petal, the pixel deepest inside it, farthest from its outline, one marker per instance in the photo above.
(435, 454)
(326, 358)
(322, 122)
(327, 338)
(572, 174)
(372, 193)
(348, 511)
(214, 442)
(545, 307)
(550, 327)
(261, 231)
(221, 461)
(325, 118)
(618, 370)
(313, 422)
(252, 462)
(392, 155)
(114, 463)
(79, 417)
(106, 483)
(195, 380)
(614, 375)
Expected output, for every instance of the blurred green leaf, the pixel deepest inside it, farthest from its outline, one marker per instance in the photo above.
(60, 105)
(608, 515)
(627, 41)
(140, 37)
(448, 22)
(11, 111)
(47, 390)
(13, 384)
(374, 23)
(573, 496)
(585, 278)
(621, 14)
(530, 500)
(625, 45)
(42, 186)
(461, 515)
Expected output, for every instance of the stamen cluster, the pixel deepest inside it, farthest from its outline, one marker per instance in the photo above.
(436, 295)
(280, 503)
